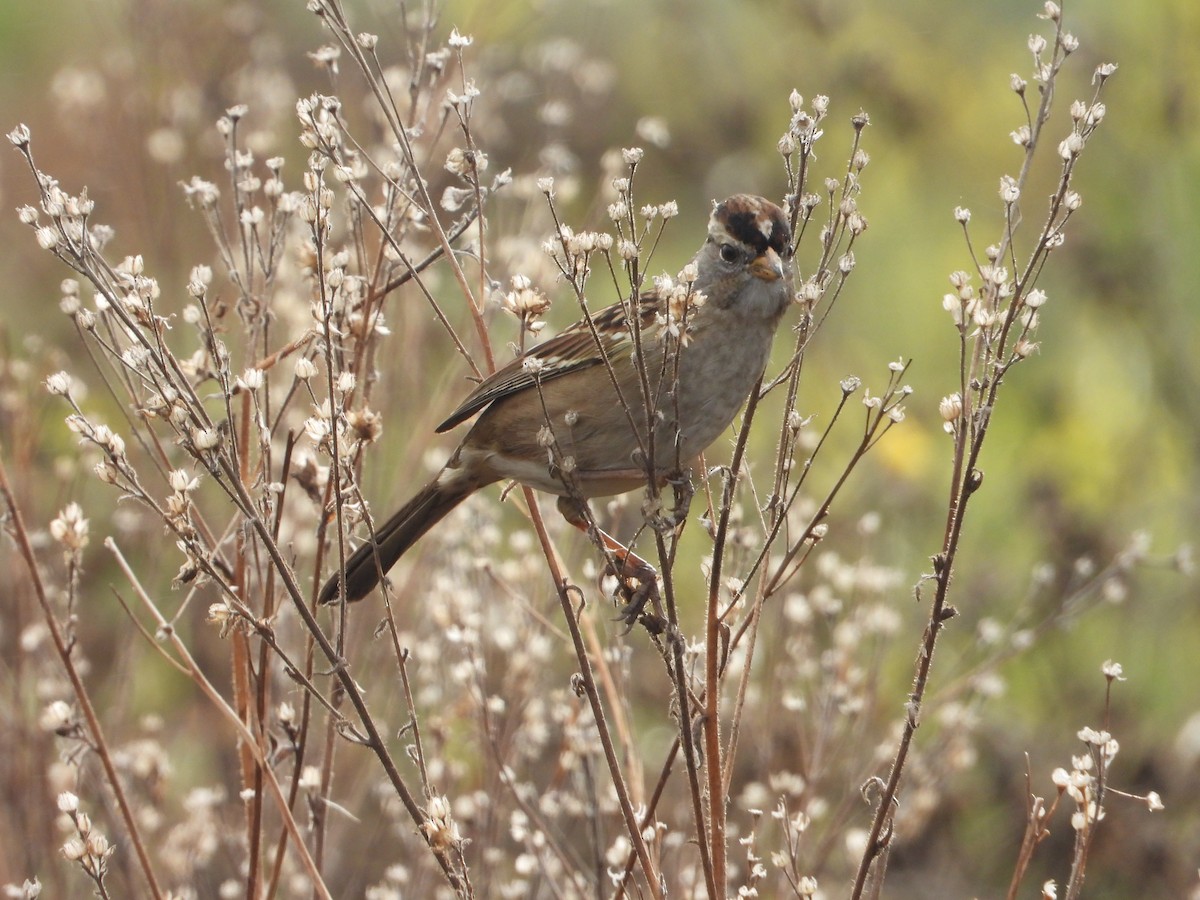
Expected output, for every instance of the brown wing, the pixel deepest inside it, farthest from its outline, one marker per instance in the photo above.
(571, 349)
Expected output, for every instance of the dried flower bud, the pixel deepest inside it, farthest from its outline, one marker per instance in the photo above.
(74, 850)
(440, 829)
(106, 471)
(1035, 298)
(70, 528)
(59, 383)
(47, 237)
(57, 716)
(205, 438)
(366, 424)
(182, 481)
(1071, 146)
(252, 379)
(68, 802)
(524, 300)
(19, 136)
(951, 407)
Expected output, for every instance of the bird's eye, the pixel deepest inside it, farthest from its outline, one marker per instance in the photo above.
(730, 253)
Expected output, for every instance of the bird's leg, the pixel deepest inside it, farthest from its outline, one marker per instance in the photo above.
(682, 492)
(637, 579)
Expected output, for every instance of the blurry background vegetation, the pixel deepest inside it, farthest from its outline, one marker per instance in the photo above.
(1097, 437)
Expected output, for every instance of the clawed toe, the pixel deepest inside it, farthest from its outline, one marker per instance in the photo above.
(636, 590)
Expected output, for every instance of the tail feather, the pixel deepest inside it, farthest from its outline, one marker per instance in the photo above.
(394, 537)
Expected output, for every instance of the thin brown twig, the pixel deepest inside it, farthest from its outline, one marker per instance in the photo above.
(82, 697)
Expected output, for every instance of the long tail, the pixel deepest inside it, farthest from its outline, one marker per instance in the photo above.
(401, 531)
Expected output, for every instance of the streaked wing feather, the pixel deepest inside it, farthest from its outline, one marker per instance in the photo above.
(570, 350)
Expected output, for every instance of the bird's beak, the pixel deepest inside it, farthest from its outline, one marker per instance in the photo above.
(767, 266)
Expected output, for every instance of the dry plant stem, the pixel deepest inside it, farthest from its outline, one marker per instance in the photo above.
(1032, 837)
(589, 682)
(651, 808)
(1036, 815)
(193, 671)
(415, 269)
(334, 16)
(978, 403)
(620, 721)
(765, 590)
(600, 665)
(156, 454)
(264, 661)
(939, 614)
(373, 739)
(876, 426)
(320, 819)
(691, 764)
(263, 664)
(573, 867)
(735, 719)
(413, 272)
(576, 270)
(242, 676)
(712, 664)
(300, 749)
(319, 808)
(1083, 845)
(98, 742)
(402, 657)
(1087, 834)
(686, 738)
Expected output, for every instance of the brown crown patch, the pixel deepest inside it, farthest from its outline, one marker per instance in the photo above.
(756, 222)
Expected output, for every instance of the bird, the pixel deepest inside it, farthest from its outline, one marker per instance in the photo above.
(578, 416)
